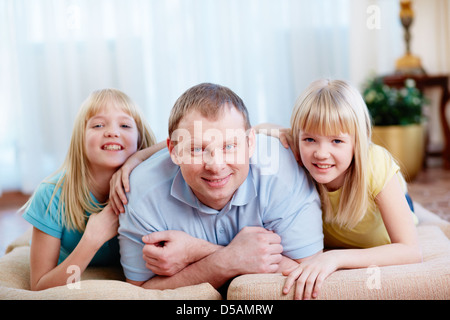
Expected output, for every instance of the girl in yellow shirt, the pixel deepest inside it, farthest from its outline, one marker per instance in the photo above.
(365, 210)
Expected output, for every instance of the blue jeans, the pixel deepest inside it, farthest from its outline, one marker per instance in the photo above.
(410, 202)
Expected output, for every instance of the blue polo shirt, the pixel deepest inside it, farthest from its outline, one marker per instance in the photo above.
(276, 195)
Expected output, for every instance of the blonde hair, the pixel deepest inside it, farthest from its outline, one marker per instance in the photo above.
(75, 198)
(332, 107)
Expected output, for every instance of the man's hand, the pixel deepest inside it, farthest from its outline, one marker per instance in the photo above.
(253, 250)
(168, 252)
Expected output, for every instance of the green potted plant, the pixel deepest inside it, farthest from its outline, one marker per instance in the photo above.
(397, 119)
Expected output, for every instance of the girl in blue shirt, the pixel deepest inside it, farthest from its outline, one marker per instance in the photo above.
(73, 224)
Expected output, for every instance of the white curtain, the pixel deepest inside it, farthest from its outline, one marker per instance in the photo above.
(53, 53)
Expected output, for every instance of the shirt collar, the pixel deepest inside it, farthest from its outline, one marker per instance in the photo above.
(181, 191)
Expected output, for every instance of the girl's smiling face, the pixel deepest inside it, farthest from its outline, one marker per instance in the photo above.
(111, 137)
(327, 158)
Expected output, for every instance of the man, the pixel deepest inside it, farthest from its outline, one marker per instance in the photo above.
(225, 215)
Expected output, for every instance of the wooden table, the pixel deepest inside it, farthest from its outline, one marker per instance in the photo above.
(428, 81)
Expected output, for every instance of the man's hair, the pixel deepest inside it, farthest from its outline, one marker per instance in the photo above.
(210, 100)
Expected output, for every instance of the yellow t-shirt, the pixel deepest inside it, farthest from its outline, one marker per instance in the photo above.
(370, 231)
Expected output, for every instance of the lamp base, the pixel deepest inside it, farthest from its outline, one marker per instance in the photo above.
(409, 64)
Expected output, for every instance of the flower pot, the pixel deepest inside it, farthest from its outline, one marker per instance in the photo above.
(405, 143)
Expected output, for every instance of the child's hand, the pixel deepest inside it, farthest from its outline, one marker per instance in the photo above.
(120, 184)
(102, 226)
(283, 134)
(287, 140)
(309, 275)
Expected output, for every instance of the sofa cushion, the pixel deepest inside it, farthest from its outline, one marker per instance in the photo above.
(96, 283)
(427, 280)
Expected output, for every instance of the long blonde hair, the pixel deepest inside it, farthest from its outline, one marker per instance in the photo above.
(74, 175)
(332, 107)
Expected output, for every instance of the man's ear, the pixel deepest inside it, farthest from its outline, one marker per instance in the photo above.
(172, 152)
(251, 142)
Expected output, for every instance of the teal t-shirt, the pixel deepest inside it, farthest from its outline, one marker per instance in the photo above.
(49, 222)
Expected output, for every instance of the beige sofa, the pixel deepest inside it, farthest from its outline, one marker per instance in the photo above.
(427, 280)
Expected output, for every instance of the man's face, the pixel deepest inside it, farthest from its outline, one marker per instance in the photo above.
(213, 155)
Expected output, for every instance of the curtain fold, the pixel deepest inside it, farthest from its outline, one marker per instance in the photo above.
(55, 52)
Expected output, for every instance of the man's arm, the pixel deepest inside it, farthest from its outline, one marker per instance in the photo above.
(253, 250)
(168, 252)
(208, 269)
